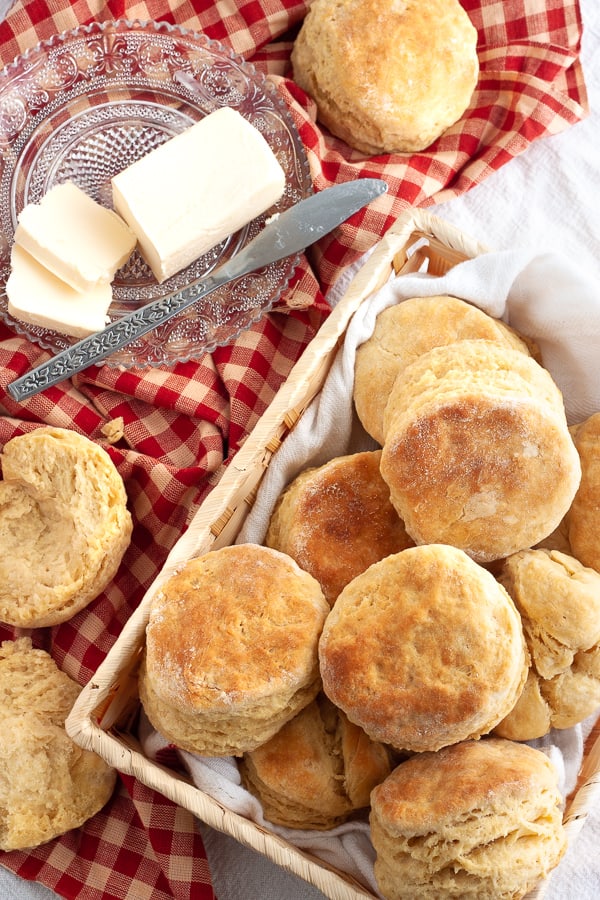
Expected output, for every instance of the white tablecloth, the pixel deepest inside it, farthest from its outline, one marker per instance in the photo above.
(548, 199)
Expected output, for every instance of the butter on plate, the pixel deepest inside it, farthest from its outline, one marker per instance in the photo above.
(196, 189)
(75, 238)
(37, 297)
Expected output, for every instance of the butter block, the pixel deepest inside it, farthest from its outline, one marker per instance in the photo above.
(37, 297)
(77, 239)
(202, 185)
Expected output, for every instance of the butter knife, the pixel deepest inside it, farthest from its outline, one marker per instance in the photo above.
(285, 234)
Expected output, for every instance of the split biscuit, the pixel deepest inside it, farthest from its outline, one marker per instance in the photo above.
(406, 330)
(480, 820)
(477, 451)
(387, 77)
(64, 526)
(424, 649)
(317, 770)
(48, 785)
(337, 519)
(559, 603)
(231, 650)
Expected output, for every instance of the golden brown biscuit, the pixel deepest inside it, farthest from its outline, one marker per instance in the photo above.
(583, 518)
(336, 520)
(424, 649)
(480, 819)
(231, 650)
(404, 332)
(387, 78)
(48, 784)
(477, 451)
(64, 526)
(316, 771)
(559, 603)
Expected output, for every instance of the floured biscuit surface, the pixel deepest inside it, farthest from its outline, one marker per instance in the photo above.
(48, 785)
(477, 451)
(402, 334)
(480, 819)
(337, 519)
(424, 649)
(387, 77)
(231, 649)
(64, 526)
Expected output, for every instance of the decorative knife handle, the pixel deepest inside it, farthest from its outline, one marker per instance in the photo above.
(98, 346)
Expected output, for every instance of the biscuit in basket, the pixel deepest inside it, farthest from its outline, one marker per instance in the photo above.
(64, 526)
(559, 603)
(48, 784)
(337, 519)
(231, 649)
(387, 78)
(405, 331)
(477, 451)
(583, 517)
(317, 771)
(480, 819)
(424, 649)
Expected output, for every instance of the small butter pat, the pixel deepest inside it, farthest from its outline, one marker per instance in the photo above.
(37, 297)
(77, 239)
(196, 189)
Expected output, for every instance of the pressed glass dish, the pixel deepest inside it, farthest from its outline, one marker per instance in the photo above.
(85, 104)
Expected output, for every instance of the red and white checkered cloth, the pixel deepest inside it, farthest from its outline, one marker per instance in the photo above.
(182, 425)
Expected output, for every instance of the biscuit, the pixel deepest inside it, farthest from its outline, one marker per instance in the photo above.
(559, 603)
(387, 78)
(480, 819)
(48, 785)
(336, 520)
(583, 517)
(317, 771)
(64, 526)
(405, 331)
(477, 451)
(231, 650)
(424, 649)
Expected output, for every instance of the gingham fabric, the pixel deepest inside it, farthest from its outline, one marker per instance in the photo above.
(182, 425)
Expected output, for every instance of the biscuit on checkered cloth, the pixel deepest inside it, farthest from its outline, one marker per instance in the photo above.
(64, 526)
(48, 785)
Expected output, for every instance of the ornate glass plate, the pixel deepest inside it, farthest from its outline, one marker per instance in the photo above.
(84, 105)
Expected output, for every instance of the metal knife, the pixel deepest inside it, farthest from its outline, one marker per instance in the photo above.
(288, 233)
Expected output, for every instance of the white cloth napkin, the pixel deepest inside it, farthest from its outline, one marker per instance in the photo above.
(545, 298)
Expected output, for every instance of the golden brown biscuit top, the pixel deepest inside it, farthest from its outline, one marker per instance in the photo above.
(337, 519)
(423, 649)
(429, 791)
(404, 332)
(477, 451)
(233, 626)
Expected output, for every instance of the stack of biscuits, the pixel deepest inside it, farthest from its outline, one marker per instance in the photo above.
(411, 618)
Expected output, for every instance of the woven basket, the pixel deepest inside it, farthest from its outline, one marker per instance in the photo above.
(103, 716)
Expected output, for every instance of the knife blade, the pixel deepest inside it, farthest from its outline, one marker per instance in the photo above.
(285, 234)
